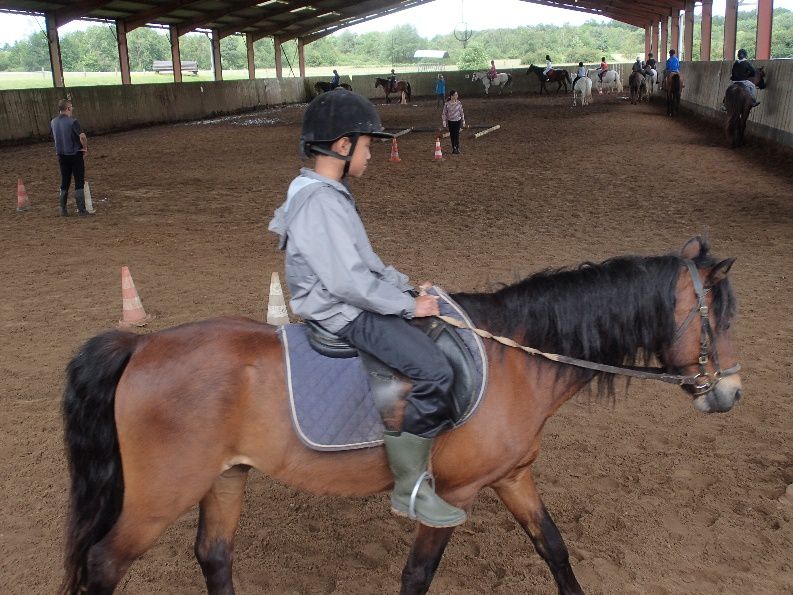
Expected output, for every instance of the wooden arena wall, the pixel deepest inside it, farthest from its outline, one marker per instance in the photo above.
(25, 114)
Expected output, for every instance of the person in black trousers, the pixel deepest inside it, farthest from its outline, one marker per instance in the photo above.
(71, 146)
(454, 117)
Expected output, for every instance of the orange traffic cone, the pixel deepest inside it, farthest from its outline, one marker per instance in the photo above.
(133, 313)
(23, 204)
(394, 151)
(438, 152)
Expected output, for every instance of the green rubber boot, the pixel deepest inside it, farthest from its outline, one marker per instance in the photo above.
(414, 492)
(62, 196)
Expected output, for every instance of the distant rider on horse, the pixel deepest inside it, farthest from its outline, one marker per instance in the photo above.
(548, 72)
(638, 66)
(649, 66)
(743, 72)
(334, 82)
(672, 65)
(603, 68)
(392, 80)
(492, 73)
(581, 73)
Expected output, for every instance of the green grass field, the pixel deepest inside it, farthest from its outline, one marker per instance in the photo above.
(34, 80)
(37, 80)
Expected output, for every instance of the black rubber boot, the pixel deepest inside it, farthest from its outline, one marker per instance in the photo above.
(62, 196)
(414, 492)
(79, 197)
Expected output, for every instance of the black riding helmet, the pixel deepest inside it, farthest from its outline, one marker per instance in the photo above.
(742, 54)
(333, 115)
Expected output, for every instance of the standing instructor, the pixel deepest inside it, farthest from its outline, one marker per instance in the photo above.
(71, 145)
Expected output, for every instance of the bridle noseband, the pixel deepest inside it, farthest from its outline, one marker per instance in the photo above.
(702, 382)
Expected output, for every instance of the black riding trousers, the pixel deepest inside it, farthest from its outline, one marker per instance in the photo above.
(454, 133)
(72, 165)
(412, 353)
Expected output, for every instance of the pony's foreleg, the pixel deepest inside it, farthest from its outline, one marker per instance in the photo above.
(519, 494)
(425, 555)
(219, 514)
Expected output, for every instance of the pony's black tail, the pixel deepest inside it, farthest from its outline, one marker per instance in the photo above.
(676, 85)
(410, 93)
(91, 440)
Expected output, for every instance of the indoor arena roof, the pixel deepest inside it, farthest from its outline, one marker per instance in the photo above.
(290, 19)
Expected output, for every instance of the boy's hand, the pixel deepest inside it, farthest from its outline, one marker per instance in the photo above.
(427, 305)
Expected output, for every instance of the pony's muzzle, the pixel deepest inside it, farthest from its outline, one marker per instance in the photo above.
(722, 396)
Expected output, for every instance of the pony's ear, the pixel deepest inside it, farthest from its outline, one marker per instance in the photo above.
(719, 272)
(692, 248)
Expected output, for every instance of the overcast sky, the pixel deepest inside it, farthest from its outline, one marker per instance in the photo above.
(440, 16)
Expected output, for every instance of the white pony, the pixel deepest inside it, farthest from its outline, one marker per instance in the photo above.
(650, 78)
(611, 79)
(502, 81)
(583, 86)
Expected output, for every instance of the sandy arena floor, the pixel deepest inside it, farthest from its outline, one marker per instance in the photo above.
(651, 497)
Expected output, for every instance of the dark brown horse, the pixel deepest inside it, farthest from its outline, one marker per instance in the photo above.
(738, 101)
(324, 87)
(401, 87)
(155, 424)
(673, 85)
(638, 87)
(558, 76)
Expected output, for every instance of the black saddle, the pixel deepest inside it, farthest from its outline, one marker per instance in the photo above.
(387, 384)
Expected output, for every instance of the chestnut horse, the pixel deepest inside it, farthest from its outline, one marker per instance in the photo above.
(738, 102)
(401, 87)
(558, 76)
(155, 424)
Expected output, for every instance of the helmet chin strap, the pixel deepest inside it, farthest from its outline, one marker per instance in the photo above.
(348, 161)
(346, 158)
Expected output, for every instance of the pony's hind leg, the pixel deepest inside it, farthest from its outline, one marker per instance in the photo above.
(425, 555)
(219, 514)
(155, 496)
(519, 494)
(135, 531)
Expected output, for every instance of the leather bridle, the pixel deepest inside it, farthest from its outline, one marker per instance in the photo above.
(701, 383)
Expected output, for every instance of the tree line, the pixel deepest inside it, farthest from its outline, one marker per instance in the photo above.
(94, 49)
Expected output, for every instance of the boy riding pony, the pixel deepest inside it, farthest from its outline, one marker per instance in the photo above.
(336, 280)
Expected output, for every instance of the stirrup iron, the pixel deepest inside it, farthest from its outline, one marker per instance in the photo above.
(412, 506)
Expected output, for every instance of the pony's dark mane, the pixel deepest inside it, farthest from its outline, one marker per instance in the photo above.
(620, 311)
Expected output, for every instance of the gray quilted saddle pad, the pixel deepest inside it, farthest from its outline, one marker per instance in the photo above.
(332, 408)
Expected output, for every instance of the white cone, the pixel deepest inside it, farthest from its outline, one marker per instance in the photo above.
(277, 314)
(89, 203)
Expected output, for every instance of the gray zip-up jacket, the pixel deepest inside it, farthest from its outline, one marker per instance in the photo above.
(332, 272)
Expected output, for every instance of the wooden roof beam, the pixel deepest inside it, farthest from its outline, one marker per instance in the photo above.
(250, 22)
(369, 11)
(630, 18)
(210, 17)
(77, 10)
(152, 14)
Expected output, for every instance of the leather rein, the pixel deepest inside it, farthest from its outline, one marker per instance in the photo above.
(702, 382)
